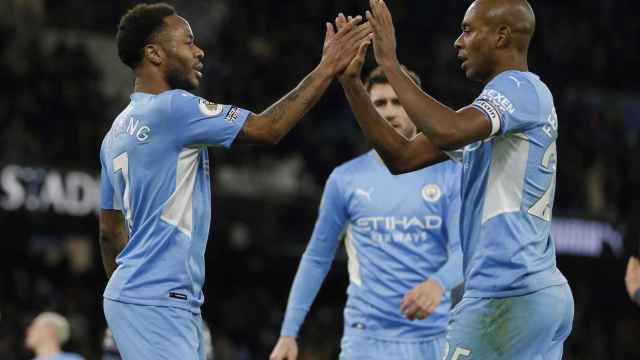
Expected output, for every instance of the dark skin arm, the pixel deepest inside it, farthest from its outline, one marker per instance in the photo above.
(272, 124)
(113, 238)
(399, 154)
(446, 128)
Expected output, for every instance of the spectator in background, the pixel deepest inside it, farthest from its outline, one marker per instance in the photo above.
(45, 336)
(632, 279)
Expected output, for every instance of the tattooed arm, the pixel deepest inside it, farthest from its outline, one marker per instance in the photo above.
(272, 124)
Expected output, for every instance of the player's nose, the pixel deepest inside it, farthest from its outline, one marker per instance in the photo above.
(458, 43)
(199, 53)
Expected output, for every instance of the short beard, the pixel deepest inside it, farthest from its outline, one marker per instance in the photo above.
(177, 80)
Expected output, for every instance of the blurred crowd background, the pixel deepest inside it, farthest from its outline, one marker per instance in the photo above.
(62, 85)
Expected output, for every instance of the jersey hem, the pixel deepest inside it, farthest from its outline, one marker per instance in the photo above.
(510, 293)
(151, 302)
(353, 332)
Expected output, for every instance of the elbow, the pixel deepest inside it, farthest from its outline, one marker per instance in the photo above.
(270, 138)
(445, 140)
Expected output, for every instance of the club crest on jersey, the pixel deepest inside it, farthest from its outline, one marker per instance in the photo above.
(209, 108)
(431, 193)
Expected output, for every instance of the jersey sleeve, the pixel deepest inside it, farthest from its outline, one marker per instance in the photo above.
(201, 122)
(455, 155)
(510, 102)
(450, 274)
(107, 194)
(317, 258)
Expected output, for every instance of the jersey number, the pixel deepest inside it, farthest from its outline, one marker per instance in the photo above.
(457, 353)
(121, 163)
(542, 207)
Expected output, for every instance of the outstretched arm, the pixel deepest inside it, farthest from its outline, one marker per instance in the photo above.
(272, 124)
(399, 153)
(446, 128)
(313, 268)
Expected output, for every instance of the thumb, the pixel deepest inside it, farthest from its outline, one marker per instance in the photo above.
(362, 51)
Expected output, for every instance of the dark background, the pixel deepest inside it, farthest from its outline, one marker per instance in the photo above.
(63, 85)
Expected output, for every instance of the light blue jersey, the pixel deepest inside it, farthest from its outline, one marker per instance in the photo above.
(400, 231)
(62, 356)
(155, 169)
(508, 187)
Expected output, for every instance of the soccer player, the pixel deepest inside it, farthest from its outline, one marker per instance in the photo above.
(156, 197)
(517, 304)
(45, 336)
(403, 247)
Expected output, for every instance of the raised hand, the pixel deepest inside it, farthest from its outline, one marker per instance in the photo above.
(384, 33)
(340, 47)
(422, 300)
(354, 68)
(285, 349)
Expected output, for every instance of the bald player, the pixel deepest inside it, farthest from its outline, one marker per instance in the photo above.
(517, 304)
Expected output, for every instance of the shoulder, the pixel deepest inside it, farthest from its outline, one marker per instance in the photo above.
(511, 87)
(353, 166)
(186, 103)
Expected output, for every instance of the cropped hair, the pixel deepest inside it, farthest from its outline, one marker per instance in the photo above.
(137, 28)
(377, 76)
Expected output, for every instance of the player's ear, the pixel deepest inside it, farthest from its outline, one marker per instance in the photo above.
(153, 53)
(503, 37)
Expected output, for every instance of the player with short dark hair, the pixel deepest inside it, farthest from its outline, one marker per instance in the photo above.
(402, 241)
(517, 304)
(156, 196)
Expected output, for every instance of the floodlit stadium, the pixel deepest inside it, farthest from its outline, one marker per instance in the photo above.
(345, 214)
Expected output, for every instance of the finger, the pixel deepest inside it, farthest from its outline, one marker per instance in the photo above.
(384, 10)
(410, 310)
(362, 52)
(375, 7)
(340, 21)
(358, 35)
(407, 302)
(349, 25)
(330, 33)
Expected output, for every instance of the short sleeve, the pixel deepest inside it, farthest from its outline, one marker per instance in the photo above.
(510, 102)
(107, 194)
(455, 155)
(202, 122)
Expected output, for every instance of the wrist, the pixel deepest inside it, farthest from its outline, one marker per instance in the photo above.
(325, 71)
(349, 80)
(392, 64)
(438, 281)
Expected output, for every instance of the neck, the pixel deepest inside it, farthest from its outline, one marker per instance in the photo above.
(150, 81)
(47, 350)
(515, 62)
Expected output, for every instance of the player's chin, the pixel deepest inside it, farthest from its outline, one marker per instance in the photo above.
(194, 83)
